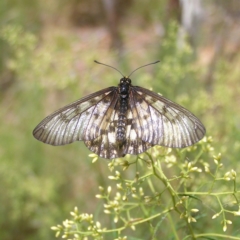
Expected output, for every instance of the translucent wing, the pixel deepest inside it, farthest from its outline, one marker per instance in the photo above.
(151, 120)
(156, 120)
(81, 120)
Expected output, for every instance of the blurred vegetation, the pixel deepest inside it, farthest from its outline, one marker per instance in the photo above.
(47, 61)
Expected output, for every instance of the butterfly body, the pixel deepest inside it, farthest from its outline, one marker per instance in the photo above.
(123, 90)
(121, 120)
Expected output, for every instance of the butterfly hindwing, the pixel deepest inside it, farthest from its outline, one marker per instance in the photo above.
(103, 143)
(137, 128)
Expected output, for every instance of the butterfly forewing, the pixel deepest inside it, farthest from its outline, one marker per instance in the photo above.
(71, 123)
(172, 125)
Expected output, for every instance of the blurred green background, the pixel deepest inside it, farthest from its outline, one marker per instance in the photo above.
(46, 61)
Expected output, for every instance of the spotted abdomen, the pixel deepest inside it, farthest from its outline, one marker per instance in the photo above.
(122, 121)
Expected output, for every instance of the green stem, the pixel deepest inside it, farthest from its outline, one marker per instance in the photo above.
(165, 181)
(206, 193)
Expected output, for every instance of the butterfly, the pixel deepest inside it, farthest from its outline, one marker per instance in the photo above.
(116, 121)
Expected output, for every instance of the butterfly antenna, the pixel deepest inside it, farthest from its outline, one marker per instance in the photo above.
(108, 66)
(143, 66)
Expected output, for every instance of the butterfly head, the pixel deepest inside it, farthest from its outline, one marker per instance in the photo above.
(125, 80)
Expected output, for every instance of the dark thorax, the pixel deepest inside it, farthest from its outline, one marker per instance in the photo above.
(123, 90)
